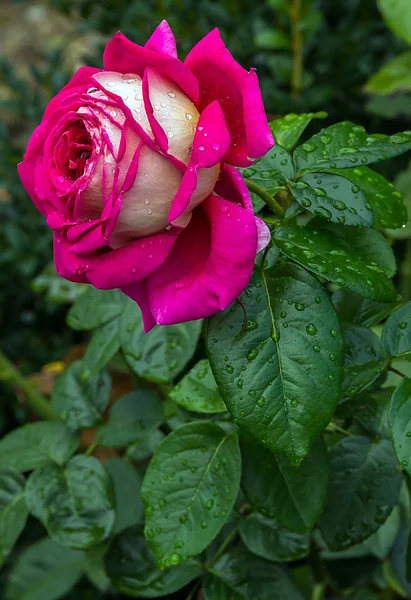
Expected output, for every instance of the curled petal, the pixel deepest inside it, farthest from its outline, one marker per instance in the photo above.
(232, 186)
(222, 78)
(138, 293)
(209, 266)
(123, 56)
(77, 83)
(263, 233)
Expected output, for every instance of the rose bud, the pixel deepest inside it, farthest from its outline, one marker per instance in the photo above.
(132, 166)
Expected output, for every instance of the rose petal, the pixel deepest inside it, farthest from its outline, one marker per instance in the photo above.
(232, 186)
(138, 293)
(162, 40)
(222, 78)
(209, 266)
(146, 205)
(123, 56)
(80, 80)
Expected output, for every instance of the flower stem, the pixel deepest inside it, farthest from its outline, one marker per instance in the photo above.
(35, 399)
(297, 47)
(268, 199)
(223, 546)
(397, 372)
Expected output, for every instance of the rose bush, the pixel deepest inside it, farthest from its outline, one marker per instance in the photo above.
(134, 168)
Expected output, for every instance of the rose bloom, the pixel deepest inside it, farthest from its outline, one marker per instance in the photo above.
(133, 167)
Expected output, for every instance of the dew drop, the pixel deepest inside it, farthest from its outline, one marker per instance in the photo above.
(403, 325)
(316, 348)
(260, 402)
(311, 329)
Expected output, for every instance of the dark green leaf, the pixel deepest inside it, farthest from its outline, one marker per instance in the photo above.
(370, 411)
(396, 335)
(364, 488)
(103, 345)
(146, 445)
(38, 444)
(243, 576)
(130, 419)
(161, 354)
(75, 504)
(355, 309)
(287, 131)
(95, 308)
(198, 390)
(127, 484)
(189, 489)
(13, 511)
(266, 538)
(332, 258)
(400, 423)
(397, 14)
(132, 569)
(44, 571)
(291, 335)
(272, 171)
(394, 76)
(347, 145)
(81, 403)
(333, 198)
(295, 496)
(387, 204)
(365, 359)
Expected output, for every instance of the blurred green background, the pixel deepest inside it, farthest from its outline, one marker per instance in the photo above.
(310, 55)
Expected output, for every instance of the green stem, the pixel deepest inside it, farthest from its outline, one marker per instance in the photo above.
(332, 427)
(35, 399)
(268, 199)
(223, 546)
(193, 590)
(297, 48)
(91, 449)
(396, 371)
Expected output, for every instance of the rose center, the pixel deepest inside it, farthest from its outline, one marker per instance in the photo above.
(73, 150)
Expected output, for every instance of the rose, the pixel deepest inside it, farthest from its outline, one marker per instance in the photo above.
(132, 167)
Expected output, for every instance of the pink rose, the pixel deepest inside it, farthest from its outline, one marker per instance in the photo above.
(131, 166)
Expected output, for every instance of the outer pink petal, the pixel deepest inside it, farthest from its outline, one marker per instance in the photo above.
(27, 171)
(209, 266)
(232, 186)
(113, 268)
(264, 234)
(138, 293)
(123, 56)
(80, 80)
(222, 78)
(210, 144)
(162, 40)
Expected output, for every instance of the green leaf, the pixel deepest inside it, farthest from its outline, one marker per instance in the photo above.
(81, 402)
(400, 423)
(44, 571)
(13, 511)
(127, 484)
(295, 496)
(57, 288)
(95, 308)
(243, 576)
(334, 198)
(288, 129)
(75, 504)
(272, 171)
(145, 446)
(348, 145)
(94, 567)
(386, 202)
(396, 335)
(394, 76)
(38, 444)
(397, 14)
(355, 309)
(370, 411)
(198, 391)
(161, 354)
(364, 488)
(189, 489)
(266, 538)
(103, 345)
(130, 419)
(291, 335)
(332, 258)
(378, 544)
(272, 39)
(403, 185)
(132, 569)
(365, 359)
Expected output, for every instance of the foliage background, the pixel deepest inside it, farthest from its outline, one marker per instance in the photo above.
(43, 43)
